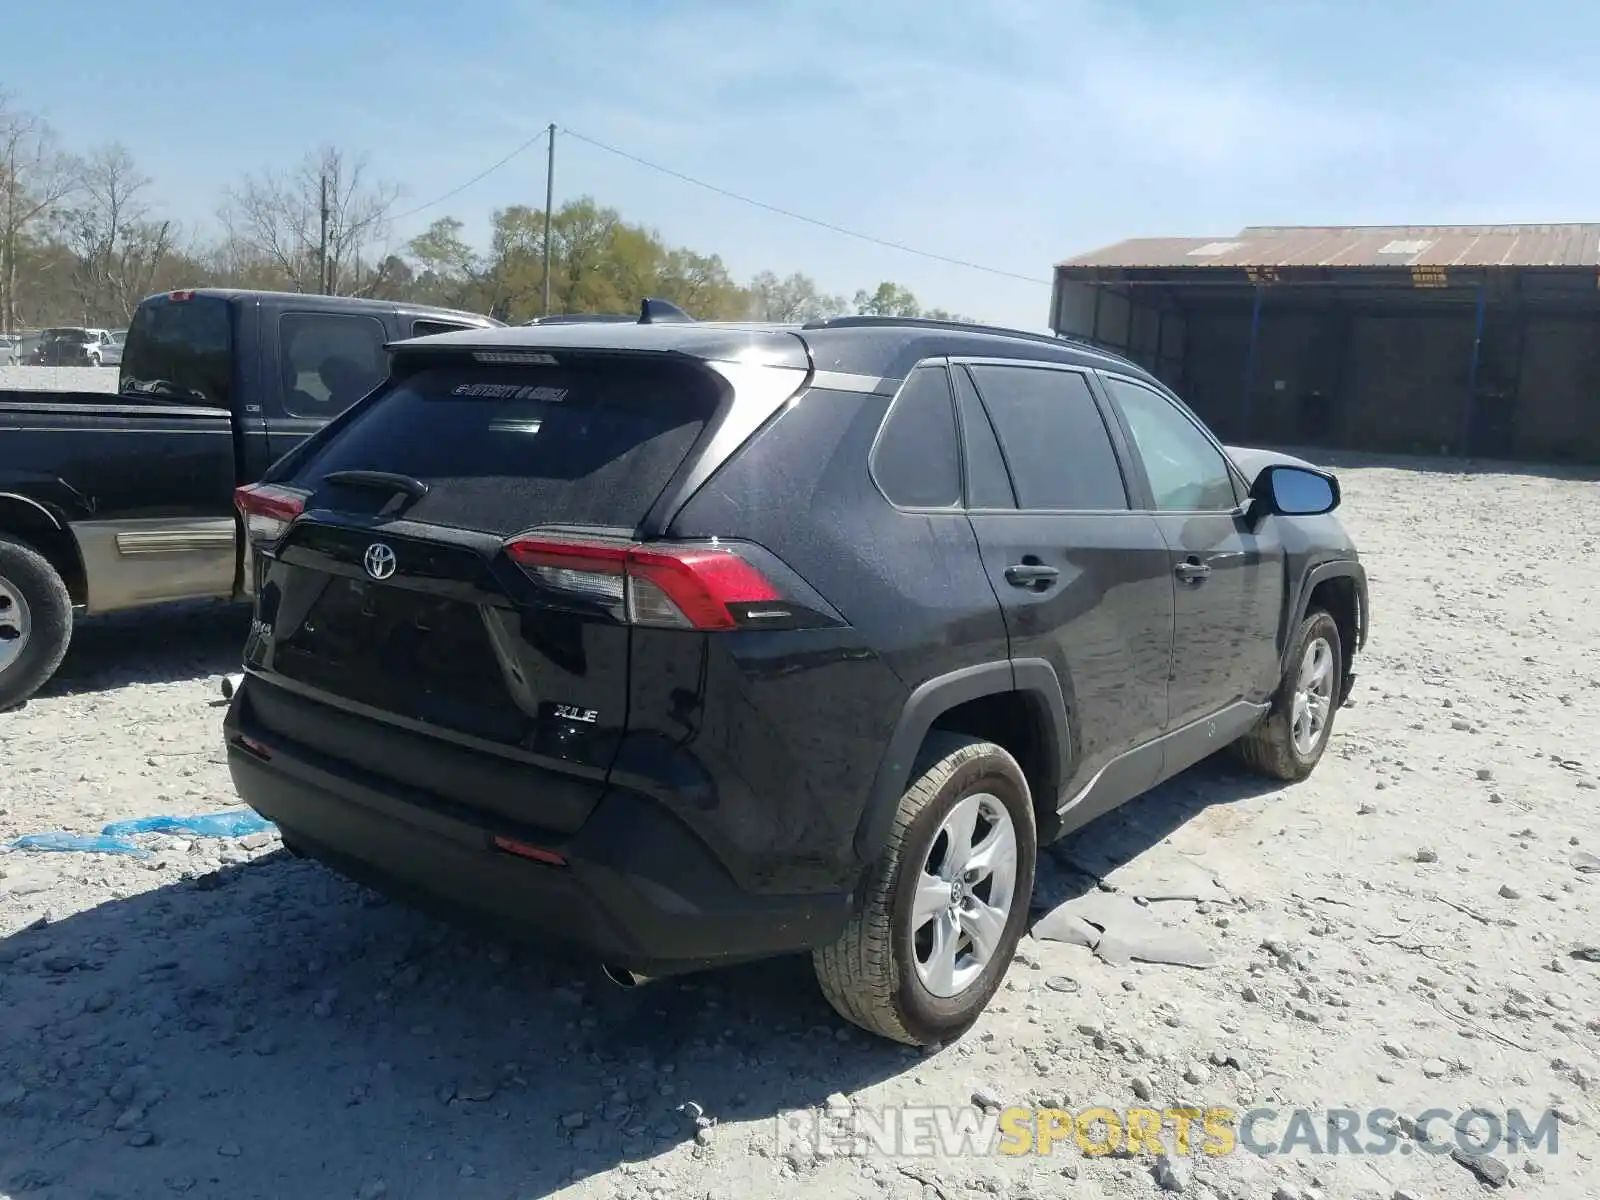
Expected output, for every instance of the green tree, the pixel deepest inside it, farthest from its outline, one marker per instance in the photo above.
(441, 249)
(888, 300)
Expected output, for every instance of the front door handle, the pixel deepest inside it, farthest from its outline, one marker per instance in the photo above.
(1192, 571)
(1031, 574)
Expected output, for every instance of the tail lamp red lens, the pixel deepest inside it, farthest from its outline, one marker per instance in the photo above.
(267, 510)
(669, 587)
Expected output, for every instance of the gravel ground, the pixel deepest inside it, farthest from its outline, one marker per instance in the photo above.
(1395, 933)
(58, 379)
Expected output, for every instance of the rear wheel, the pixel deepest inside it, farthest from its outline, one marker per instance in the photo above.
(35, 622)
(1289, 744)
(945, 904)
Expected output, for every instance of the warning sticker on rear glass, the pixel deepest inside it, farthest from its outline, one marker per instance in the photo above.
(511, 391)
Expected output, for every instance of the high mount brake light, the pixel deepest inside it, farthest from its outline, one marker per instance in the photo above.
(667, 587)
(267, 510)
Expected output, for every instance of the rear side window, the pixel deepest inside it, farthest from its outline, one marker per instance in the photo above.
(181, 348)
(987, 483)
(504, 449)
(426, 328)
(1053, 438)
(917, 461)
(329, 361)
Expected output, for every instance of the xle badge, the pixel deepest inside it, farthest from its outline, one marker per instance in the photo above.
(571, 712)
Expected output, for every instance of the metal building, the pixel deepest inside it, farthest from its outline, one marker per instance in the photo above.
(1480, 340)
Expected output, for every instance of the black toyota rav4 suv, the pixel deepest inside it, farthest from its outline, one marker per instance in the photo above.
(690, 643)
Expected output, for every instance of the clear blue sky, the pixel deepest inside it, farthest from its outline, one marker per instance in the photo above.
(1011, 133)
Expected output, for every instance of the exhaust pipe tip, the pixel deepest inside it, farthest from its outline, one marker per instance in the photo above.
(623, 977)
(230, 685)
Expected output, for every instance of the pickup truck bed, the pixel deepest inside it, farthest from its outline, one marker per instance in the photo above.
(116, 501)
(143, 492)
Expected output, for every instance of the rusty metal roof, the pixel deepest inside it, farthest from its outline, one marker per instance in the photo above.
(1362, 246)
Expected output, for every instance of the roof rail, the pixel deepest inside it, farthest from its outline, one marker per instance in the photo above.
(651, 312)
(929, 323)
(580, 318)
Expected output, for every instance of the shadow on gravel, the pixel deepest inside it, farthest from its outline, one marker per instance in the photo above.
(165, 644)
(272, 1030)
(1080, 860)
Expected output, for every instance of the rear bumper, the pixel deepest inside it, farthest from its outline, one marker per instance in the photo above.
(638, 889)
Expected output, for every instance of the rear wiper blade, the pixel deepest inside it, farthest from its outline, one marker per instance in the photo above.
(401, 487)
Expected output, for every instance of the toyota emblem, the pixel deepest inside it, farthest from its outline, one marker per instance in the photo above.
(379, 561)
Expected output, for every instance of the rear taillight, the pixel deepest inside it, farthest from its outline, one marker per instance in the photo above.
(663, 586)
(267, 510)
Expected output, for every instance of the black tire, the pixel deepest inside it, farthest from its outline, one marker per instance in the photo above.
(869, 975)
(1270, 748)
(25, 573)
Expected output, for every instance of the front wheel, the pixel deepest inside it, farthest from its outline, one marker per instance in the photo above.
(1288, 745)
(945, 905)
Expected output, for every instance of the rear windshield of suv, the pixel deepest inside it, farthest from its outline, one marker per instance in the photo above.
(504, 448)
(182, 349)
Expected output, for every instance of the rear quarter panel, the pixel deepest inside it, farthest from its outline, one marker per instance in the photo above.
(796, 725)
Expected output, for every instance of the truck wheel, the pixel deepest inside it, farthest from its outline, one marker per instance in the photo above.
(35, 622)
(946, 902)
(1289, 743)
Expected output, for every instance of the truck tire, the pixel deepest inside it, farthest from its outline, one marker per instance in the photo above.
(35, 621)
(960, 858)
(1288, 745)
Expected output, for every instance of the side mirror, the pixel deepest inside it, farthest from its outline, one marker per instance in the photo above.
(1293, 492)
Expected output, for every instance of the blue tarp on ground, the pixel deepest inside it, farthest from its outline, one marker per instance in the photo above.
(78, 843)
(232, 823)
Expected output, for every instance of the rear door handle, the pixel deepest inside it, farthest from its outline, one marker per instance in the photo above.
(1192, 571)
(1031, 574)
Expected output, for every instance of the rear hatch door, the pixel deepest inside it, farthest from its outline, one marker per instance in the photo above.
(394, 609)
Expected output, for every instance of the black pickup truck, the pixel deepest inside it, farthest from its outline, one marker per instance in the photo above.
(113, 502)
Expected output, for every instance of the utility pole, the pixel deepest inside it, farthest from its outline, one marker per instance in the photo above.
(326, 283)
(549, 201)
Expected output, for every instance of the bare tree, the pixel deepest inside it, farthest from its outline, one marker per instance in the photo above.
(795, 298)
(35, 177)
(278, 217)
(119, 247)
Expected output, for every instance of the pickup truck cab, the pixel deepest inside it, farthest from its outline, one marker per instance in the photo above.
(114, 502)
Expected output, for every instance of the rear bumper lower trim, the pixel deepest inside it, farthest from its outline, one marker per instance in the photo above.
(639, 890)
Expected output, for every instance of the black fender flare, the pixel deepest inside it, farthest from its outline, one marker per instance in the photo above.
(937, 696)
(1340, 568)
